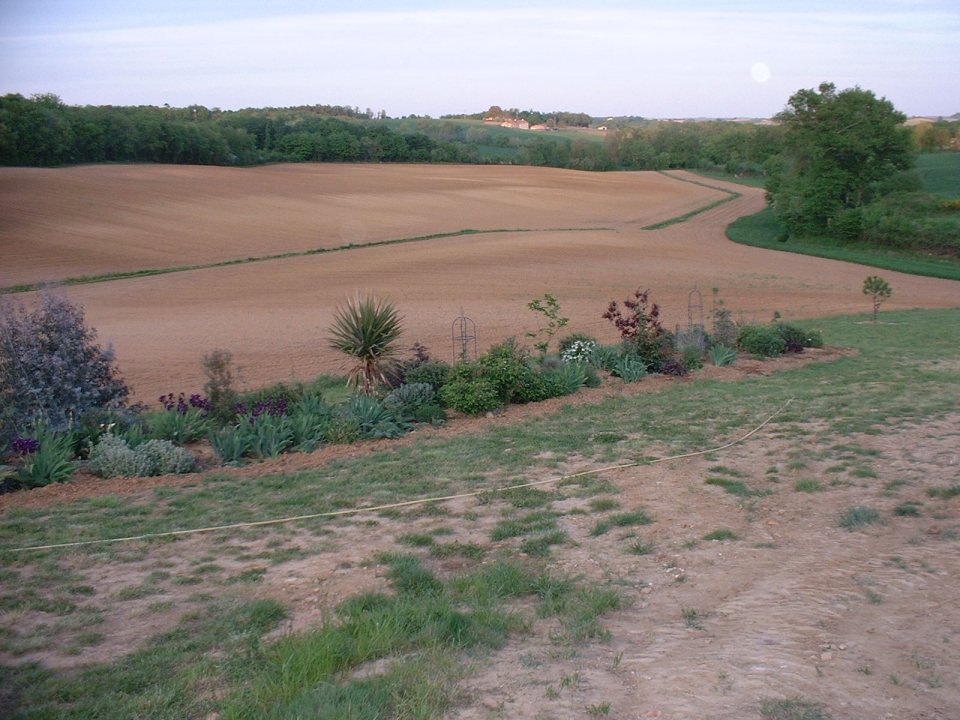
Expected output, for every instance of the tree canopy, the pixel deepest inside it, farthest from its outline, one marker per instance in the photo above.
(838, 148)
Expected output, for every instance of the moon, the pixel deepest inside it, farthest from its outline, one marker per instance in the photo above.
(760, 72)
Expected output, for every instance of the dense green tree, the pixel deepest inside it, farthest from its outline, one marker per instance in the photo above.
(836, 145)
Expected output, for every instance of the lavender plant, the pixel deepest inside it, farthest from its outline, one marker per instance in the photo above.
(51, 367)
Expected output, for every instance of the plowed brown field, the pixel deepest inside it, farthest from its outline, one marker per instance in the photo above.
(864, 623)
(578, 236)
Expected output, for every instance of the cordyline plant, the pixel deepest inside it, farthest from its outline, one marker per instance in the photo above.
(367, 329)
(51, 367)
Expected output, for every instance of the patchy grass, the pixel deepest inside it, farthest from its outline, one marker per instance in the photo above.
(856, 517)
(721, 534)
(944, 493)
(794, 708)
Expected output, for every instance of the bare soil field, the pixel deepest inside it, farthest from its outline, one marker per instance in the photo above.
(579, 238)
(865, 622)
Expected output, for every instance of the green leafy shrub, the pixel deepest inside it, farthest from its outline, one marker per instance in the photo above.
(761, 340)
(430, 414)
(591, 379)
(721, 356)
(469, 393)
(434, 373)
(276, 395)
(569, 378)
(724, 330)
(692, 357)
(536, 386)
(797, 338)
(505, 367)
(112, 457)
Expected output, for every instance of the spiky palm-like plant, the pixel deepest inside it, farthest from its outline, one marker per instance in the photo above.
(367, 330)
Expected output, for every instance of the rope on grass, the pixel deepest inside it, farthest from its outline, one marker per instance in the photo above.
(407, 503)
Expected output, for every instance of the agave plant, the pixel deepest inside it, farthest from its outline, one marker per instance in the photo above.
(367, 330)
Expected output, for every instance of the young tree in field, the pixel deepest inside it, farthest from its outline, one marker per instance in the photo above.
(836, 145)
(879, 290)
(367, 329)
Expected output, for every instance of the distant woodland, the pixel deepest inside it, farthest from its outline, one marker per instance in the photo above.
(41, 131)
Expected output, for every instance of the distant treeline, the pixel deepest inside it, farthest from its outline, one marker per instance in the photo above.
(43, 132)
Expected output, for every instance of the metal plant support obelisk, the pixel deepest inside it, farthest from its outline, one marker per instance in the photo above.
(695, 334)
(463, 331)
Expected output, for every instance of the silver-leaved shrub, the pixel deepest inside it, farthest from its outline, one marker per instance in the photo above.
(113, 457)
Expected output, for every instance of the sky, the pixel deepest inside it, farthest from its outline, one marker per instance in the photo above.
(649, 58)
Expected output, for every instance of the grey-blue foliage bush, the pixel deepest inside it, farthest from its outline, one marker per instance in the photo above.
(113, 457)
(407, 399)
(721, 356)
(51, 367)
(373, 420)
(629, 368)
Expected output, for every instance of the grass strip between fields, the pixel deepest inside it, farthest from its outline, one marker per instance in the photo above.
(732, 195)
(107, 277)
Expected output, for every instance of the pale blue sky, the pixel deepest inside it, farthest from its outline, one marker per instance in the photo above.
(656, 58)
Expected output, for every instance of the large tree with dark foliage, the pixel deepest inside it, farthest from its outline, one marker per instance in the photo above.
(838, 147)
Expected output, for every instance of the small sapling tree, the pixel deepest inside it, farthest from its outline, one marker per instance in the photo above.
(879, 290)
(550, 309)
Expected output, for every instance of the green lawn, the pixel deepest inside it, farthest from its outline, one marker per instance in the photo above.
(940, 173)
(763, 230)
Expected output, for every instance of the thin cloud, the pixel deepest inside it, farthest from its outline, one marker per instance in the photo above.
(659, 62)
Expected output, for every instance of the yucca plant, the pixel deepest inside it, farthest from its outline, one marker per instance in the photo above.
(367, 330)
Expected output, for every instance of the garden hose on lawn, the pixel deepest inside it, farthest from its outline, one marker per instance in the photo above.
(407, 503)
